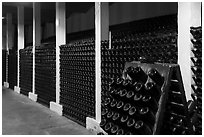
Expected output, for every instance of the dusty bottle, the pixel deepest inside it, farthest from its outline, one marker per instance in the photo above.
(156, 76)
(153, 91)
(142, 129)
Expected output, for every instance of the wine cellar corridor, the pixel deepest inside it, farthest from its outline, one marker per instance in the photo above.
(101, 68)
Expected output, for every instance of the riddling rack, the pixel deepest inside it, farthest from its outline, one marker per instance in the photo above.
(196, 67)
(147, 99)
(26, 70)
(45, 73)
(77, 80)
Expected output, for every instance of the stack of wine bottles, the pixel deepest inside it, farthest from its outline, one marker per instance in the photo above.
(156, 43)
(4, 52)
(77, 80)
(142, 102)
(45, 73)
(12, 69)
(197, 74)
(26, 70)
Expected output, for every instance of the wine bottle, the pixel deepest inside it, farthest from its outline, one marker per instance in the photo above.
(132, 111)
(127, 84)
(123, 93)
(139, 87)
(104, 111)
(115, 93)
(126, 107)
(153, 91)
(154, 75)
(197, 70)
(110, 114)
(114, 129)
(103, 123)
(124, 119)
(130, 123)
(119, 82)
(199, 101)
(130, 95)
(142, 129)
(197, 52)
(191, 107)
(196, 61)
(137, 74)
(120, 106)
(150, 102)
(116, 118)
(113, 104)
(198, 80)
(120, 132)
(137, 98)
(113, 83)
(176, 130)
(108, 127)
(107, 101)
(196, 42)
(147, 115)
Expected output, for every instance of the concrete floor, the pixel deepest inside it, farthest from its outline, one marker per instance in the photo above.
(22, 116)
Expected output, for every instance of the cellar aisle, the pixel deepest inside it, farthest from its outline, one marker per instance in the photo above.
(20, 115)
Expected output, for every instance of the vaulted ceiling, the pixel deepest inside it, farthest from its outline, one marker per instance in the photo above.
(47, 10)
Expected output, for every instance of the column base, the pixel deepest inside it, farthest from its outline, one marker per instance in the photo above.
(33, 96)
(94, 126)
(6, 84)
(17, 89)
(56, 107)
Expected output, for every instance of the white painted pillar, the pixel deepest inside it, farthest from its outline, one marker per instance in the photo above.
(189, 14)
(8, 43)
(98, 60)
(196, 14)
(60, 40)
(36, 41)
(101, 33)
(20, 28)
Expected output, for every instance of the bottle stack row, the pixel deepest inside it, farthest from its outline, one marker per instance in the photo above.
(45, 73)
(141, 102)
(196, 68)
(158, 43)
(4, 52)
(12, 69)
(26, 70)
(77, 80)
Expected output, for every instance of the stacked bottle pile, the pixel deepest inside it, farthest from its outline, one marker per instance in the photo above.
(12, 69)
(141, 102)
(156, 43)
(77, 80)
(26, 70)
(45, 73)
(197, 74)
(3, 66)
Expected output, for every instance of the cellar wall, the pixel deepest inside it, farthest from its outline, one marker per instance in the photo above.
(128, 12)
